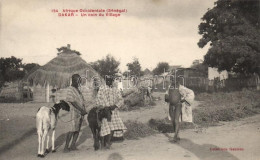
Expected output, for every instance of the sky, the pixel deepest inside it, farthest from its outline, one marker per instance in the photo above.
(151, 30)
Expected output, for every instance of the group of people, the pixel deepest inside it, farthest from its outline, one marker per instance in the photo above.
(107, 96)
(110, 96)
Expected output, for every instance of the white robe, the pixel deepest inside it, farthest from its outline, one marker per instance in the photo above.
(189, 96)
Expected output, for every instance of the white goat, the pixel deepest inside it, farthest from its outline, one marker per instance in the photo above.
(46, 119)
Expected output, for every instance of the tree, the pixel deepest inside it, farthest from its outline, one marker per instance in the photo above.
(30, 67)
(11, 69)
(232, 30)
(161, 67)
(107, 66)
(135, 67)
(67, 50)
(201, 67)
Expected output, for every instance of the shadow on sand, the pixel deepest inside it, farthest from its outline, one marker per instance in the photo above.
(86, 133)
(17, 141)
(115, 156)
(203, 151)
(60, 140)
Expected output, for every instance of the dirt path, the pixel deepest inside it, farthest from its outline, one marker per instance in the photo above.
(18, 139)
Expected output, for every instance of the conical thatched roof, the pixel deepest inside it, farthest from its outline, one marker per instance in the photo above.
(59, 70)
(147, 72)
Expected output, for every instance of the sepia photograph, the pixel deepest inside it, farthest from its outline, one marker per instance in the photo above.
(130, 79)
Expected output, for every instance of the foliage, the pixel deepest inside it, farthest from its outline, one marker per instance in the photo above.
(30, 67)
(11, 69)
(132, 99)
(67, 50)
(200, 67)
(137, 130)
(232, 30)
(160, 68)
(135, 68)
(165, 125)
(126, 73)
(107, 66)
(226, 106)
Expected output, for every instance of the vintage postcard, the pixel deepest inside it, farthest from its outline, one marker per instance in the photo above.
(130, 79)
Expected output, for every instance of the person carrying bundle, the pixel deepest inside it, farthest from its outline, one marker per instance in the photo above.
(180, 99)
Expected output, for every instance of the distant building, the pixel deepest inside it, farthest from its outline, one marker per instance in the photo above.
(56, 74)
(172, 68)
(148, 72)
(187, 72)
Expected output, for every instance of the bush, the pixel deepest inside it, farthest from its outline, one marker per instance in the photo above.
(133, 99)
(216, 107)
(223, 106)
(165, 126)
(137, 130)
(162, 125)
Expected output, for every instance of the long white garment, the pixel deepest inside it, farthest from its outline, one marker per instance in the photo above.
(189, 96)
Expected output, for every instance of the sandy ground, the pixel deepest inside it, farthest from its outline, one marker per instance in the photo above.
(18, 138)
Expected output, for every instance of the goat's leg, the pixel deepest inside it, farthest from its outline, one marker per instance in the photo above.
(39, 144)
(96, 138)
(109, 137)
(47, 143)
(99, 138)
(43, 141)
(53, 141)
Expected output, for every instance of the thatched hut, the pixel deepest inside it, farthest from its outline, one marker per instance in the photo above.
(57, 73)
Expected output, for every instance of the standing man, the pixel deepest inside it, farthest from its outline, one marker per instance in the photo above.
(109, 96)
(77, 110)
(179, 99)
